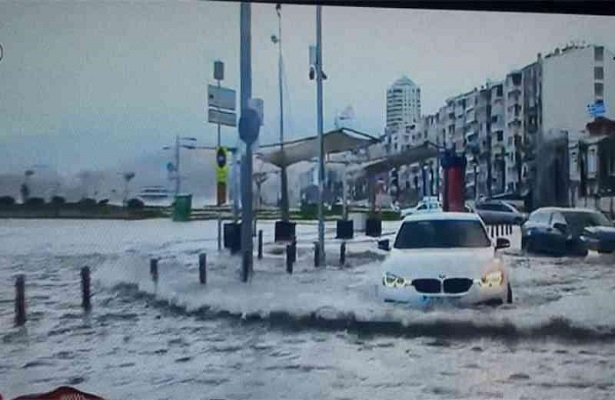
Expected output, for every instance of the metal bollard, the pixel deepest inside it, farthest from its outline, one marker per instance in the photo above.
(153, 269)
(203, 268)
(289, 258)
(85, 289)
(260, 244)
(316, 255)
(343, 253)
(294, 250)
(20, 300)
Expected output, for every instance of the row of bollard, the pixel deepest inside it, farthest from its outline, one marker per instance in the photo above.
(20, 295)
(497, 230)
(86, 284)
(86, 294)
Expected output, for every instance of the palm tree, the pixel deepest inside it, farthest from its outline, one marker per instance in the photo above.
(127, 178)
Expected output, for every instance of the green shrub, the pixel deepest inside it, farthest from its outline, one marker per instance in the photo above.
(86, 203)
(7, 201)
(135, 204)
(35, 202)
(58, 201)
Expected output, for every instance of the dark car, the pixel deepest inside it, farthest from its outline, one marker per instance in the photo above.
(567, 231)
(499, 212)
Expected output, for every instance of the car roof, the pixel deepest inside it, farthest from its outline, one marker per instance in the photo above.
(566, 209)
(444, 215)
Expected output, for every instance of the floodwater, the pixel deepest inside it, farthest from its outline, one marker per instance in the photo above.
(315, 334)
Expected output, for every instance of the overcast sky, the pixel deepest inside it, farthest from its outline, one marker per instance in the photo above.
(88, 84)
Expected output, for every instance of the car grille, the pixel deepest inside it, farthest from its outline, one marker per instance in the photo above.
(427, 285)
(457, 285)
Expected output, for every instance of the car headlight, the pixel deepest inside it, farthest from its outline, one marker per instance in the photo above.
(493, 278)
(392, 280)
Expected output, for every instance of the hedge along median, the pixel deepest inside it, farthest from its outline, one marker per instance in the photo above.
(84, 209)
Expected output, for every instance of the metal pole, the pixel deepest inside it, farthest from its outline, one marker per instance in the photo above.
(246, 176)
(219, 204)
(321, 155)
(235, 186)
(177, 178)
(475, 182)
(344, 194)
(283, 176)
(85, 289)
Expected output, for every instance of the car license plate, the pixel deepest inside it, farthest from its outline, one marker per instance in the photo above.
(436, 301)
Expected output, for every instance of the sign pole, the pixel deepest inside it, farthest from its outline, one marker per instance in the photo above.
(217, 195)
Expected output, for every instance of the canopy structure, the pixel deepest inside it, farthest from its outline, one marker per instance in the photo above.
(335, 141)
(410, 156)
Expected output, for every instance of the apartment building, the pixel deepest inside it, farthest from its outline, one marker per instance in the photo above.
(403, 110)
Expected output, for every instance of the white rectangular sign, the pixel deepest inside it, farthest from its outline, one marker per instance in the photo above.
(221, 97)
(259, 106)
(222, 117)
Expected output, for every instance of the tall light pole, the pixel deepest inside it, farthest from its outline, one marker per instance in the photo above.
(283, 176)
(245, 63)
(321, 142)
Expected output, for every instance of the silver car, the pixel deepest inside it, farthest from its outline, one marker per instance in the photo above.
(499, 212)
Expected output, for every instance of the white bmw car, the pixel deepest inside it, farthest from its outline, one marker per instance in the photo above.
(445, 257)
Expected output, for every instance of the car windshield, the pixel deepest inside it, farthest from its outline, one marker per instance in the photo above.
(441, 234)
(579, 220)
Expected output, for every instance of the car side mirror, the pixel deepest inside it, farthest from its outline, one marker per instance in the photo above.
(384, 245)
(560, 227)
(502, 243)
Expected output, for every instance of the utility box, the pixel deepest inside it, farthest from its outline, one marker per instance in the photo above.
(232, 237)
(373, 227)
(182, 208)
(345, 229)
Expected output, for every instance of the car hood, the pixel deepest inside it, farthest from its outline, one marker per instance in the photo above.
(431, 263)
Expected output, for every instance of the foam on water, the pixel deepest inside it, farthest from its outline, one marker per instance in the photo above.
(348, 297)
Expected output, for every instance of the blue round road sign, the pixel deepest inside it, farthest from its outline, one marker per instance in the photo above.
(249, 125)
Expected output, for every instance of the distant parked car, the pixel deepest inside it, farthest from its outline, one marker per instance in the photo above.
(567, 231)
(499, 212)
(428, 204)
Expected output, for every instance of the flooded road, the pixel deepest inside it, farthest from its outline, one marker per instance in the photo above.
(316, 334)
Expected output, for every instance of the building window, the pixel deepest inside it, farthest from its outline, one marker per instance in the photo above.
(599, 53)
(598, 72)
(599, 89)
(500, 136)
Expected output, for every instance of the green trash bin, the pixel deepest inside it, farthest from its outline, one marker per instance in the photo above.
(182, 207)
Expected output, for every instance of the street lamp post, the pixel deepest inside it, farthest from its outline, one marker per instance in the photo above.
(283, 176)
(475, 166)
(319, 118)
